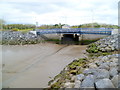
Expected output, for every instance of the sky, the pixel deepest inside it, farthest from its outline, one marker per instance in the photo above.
(72, 12)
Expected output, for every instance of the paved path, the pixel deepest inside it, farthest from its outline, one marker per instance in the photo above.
(34, 65)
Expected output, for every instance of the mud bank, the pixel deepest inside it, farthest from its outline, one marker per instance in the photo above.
(32, 66)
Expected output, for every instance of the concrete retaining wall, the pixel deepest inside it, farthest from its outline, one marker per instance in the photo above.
(115, 31)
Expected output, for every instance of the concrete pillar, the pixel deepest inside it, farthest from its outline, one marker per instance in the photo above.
(60, 38)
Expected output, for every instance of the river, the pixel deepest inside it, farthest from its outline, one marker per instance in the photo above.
(32, 66)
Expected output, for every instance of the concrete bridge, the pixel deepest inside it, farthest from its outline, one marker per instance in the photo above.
(100, 31)
(73, 34)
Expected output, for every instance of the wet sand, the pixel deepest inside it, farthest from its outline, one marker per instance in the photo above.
(32, 66)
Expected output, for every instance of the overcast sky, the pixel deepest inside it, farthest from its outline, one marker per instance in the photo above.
(72, 12)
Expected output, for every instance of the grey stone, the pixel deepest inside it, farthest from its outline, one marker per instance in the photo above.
(99, 63)
(105, 58)
(73, 78)
(113, 72)
(69, 85)
(102, 73)
(109, 43)
(113, 41)
(108, 49)
(92, 65)
(88, 82)
(115, 81)
(112, 48)
(115, 60)
(77, 84)
(113, 64)
(104, 66)
(80, 77)
(104, 83)
(17, 37)
(102, 49)
(89, 71)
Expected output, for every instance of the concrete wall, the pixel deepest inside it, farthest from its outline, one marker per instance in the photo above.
(115, 31)
(85, 36)
(52, 36)
(92, 36)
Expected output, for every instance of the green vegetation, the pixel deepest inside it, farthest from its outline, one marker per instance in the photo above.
(72, 69)
(19, 42)
(94, 51)
(27, 27)
(95, 25)
(57, 41)
(18, 26)
(86, 42)
(92, 55)
(50, 26)
(92, 48)
(76, 63)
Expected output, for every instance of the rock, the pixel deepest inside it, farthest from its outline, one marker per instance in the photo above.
(98, 63)
(102, 73)
(69, 85)
(88, 82)
(112, 48)
(80, 77)
(89, 71)
(104, 66)
(92, 65)
(113, 72)
(108, 49)
(104, 83)
(66, 68)
(105, 58)
(77, 84)
(102, 49)
(113, 64)
(109, 43)
(115, 81)
(113, 41)
(115, 60)
(67, 80)
(73, 78)
(17, 37)
(100, 58)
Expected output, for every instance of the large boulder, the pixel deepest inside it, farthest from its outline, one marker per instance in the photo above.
(102, 73)
(69, 85)
(115, 81)
(113, 72)
(77, 84)
(80, 77)
(104, 83)
(88, 82)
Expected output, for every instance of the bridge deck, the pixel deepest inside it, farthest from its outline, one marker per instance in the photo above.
(100, 31)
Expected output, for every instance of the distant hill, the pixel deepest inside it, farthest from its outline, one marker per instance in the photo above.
(95, 25)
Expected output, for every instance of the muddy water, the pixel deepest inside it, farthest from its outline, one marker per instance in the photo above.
(32, 66)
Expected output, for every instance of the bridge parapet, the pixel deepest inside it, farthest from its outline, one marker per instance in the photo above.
(106, 31)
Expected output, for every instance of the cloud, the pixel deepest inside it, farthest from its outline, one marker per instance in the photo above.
(59, 11)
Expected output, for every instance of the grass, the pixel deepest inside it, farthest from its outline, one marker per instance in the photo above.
(25, 30)
(86, 42)
(57, 41)
(21, 30)
(83, 42)
(92, 48)
(76, 63)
